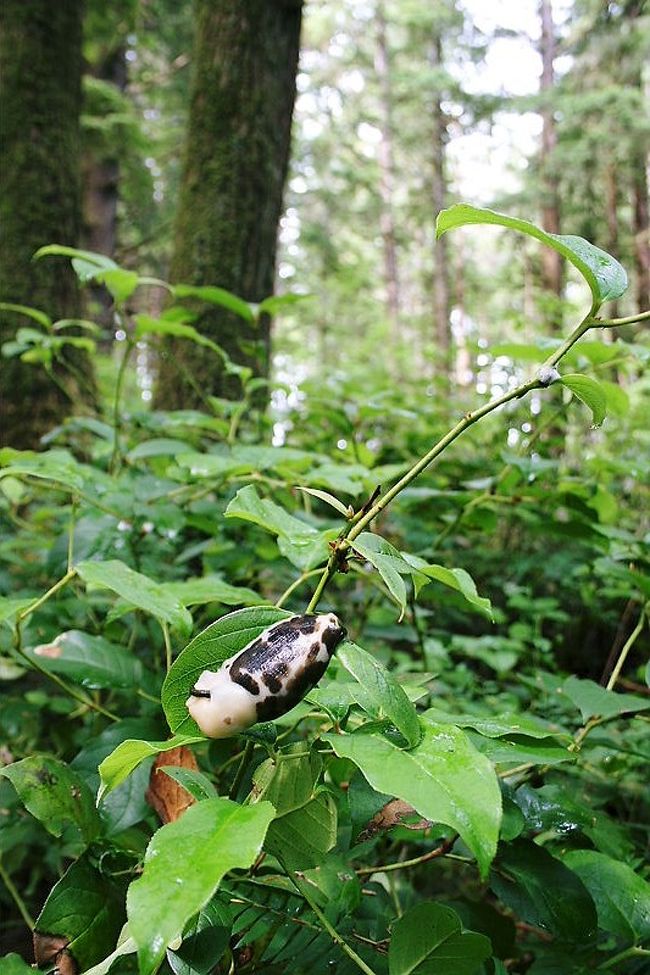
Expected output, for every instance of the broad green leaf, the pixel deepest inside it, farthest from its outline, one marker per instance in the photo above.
(328, 499)
(302, 544)
(444, 778)
(389, 563)
(218, 835)
(275, 303)
(541, 890)
(618, 402)
(622, 897)
(120, 283)
(499, 725)
(514, 749)
(137, 589)
(429, 940)
(146, 325)
(13, 964)
(196, 783)
(34, 313)
(590, 392)
(53, 465)
(86, 908)
(207, 651)
(457, 579)
(89, 257)
(216, 296)
(55, 795)
(10, 608)
(606, 278)
(117, 766)
(301, 838)
(157, 447)
(89, 660)
(288, 779)
(212, 589)
(125, 946)
(592, 699)
(382, 687)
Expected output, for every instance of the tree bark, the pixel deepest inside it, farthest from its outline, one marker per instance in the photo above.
(441, 274)
(552, 268)
(642, 235)
(40, 91)
(245, 61)
(387, 179)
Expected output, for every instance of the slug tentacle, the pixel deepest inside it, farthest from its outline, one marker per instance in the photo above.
(267, 678)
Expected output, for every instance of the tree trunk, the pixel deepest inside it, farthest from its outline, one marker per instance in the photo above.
(642, 235)
(552, 269)
(441, 275)
(611, 205)
(245, 60)
(387, 180)
(40, 90)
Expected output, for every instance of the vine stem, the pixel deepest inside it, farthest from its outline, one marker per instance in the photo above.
(115, 456)
(19, 902)
(241, 770)
(301, 886)
(35, 664)
(627, 646)
(634, 952)
(439, 851)
(353, 530)
(642, 316)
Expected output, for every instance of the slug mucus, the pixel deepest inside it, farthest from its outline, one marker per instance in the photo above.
(267, 678)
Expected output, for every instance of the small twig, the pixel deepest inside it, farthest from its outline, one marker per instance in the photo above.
(243, 765)
(168, 645)
(294, 585)
(17, 899)
(439, 851)
(627, 646)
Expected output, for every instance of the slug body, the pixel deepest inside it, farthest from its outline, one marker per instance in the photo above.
(267, 678)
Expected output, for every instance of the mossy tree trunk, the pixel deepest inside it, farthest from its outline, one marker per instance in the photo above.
(40, 91)
(236, 156)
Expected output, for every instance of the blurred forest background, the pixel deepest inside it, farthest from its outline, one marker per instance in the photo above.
(536, 109)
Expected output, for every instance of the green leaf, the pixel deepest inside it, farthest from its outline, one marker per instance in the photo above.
(444, 778)
(89, 660)
(117, 766)
(212, 589)
(137, 589)
(457, 579)
(86, 908)
(382, 688)
(53, 465)
(301, 838)
(515, 749)
(216, 834)
(207, 651)
(288, 779)
(146, 325)
(590, 392)
(89, 257)
(157, 447)
(389, 563)
(622, 897)
(429, 940)
(543, 891)
(606, 278)
(120, 283)
(275, 303)
(13, 964)
(55, 795)
(303, 545)
(216, 296)
(33, 313)
(196, 783)
(328, 499)
(10, 608)
(499, 725)
(592, 699)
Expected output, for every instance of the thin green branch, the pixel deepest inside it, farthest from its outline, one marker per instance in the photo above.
(615, 322)
(439, 851)
(241, 770)
(17, 899)
(627, 646)
(633, 952)
(168, 645)
(294, 585)
(301, 887)
(115, 456)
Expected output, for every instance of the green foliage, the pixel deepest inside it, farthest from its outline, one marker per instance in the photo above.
(464, 790)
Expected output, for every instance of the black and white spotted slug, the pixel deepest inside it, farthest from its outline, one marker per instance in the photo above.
(267, 678)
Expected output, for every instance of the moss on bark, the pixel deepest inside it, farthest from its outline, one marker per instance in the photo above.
(40, 92)
(235, 164)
